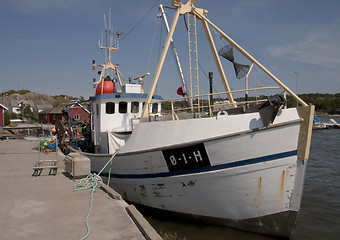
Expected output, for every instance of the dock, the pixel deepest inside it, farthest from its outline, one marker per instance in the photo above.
(46, 207)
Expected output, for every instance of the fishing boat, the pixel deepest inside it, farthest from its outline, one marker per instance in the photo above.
(238, 164)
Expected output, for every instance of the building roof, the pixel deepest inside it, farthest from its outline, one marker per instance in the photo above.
(27, 102)
(44, 106)
(59, 109)
(78, 105)
(45, 111)
(2, 106)
(16, 103)
(63, 106)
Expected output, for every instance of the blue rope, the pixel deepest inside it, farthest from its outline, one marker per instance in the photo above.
(91, 182)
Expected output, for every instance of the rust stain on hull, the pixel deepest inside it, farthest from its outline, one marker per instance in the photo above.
(282, 182)
(259, 186)
(282, 187)
(259, 190)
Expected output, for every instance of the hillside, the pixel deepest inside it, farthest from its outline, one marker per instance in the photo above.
(37, 98)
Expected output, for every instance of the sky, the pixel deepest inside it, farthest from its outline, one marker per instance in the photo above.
(47, 46)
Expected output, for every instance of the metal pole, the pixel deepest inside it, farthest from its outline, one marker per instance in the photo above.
(246, 94)
(297, 87)
(210, 85)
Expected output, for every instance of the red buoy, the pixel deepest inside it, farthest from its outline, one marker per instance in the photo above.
(106, 86)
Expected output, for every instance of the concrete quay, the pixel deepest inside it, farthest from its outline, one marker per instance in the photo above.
(46, 207)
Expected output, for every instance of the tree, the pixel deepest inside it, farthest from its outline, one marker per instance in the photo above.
(22, 92)
(59, 100)
(10, 92)
(28, 112)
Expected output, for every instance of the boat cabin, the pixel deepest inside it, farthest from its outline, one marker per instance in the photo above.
(115, 114)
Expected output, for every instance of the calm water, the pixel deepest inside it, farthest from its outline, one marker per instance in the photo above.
(320, 209)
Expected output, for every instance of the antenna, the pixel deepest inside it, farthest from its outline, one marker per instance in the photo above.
(105, 22)
(105, 38)
(110, 19)
(102, 36)
(108, 68)
(110, 30)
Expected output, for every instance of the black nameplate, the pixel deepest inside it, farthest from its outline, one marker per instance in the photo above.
(184, 158)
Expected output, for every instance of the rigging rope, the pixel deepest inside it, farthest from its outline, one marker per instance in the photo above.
(91, 182)
(152, 44)
(133, 28)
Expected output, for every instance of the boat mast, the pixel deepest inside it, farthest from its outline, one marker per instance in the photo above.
(108, 65)
(161, 10)
(180, 9)
(145, 112)
(199, 13)
(218, 64)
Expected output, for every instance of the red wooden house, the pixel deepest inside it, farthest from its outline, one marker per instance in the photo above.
(77, 113)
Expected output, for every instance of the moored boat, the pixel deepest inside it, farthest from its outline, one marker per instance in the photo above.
(238, 164)
(318, 125)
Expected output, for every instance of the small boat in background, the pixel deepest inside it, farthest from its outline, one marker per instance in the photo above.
(318, 125)
(334, 124)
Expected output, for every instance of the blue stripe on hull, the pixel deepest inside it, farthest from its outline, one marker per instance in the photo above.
(207, 169)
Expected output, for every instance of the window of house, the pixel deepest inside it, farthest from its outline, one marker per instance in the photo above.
(123, 107)
(110, 108)
(76, 117)
(135, 107)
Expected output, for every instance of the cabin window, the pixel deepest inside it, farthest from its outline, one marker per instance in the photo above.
(123, 107)
(110, 108)
(155, 108)
(135, 107)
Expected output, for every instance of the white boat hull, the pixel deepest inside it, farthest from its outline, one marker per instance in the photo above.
(242, 176)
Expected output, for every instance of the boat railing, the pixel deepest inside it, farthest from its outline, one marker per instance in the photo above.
(209, 106)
